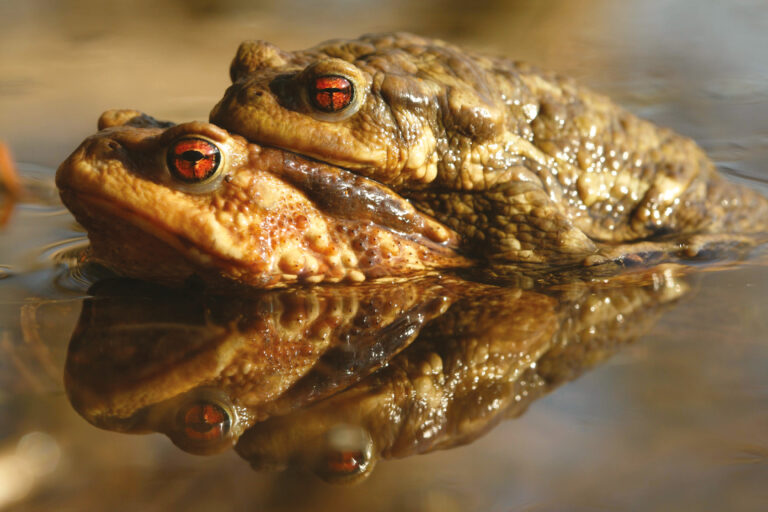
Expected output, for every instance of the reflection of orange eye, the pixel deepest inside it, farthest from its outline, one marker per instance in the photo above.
(203, 421)
(193, 160)
(331, 93)
(345, 462)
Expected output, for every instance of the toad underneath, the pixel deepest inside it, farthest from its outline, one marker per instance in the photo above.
(391, 154)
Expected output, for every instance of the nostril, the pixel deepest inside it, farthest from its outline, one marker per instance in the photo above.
(108, 149)
(248, 94)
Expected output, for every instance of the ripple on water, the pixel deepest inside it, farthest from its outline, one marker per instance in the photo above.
(72, 272)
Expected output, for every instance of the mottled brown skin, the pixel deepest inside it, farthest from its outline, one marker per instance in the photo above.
(266, 218)
(525, 165)
(443, 158)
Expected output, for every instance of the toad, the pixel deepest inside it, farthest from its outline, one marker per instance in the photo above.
(391, 155)
(170, 203)
(524, 165)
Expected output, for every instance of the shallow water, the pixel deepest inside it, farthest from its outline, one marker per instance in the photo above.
(675, 419)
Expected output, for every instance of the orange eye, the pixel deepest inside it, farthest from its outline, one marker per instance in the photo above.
(331, 93)
(204, 421)
(193, 159)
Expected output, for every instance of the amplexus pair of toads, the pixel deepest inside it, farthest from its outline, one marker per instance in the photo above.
(388, 155)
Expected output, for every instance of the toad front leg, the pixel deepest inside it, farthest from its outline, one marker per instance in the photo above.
(512, 221)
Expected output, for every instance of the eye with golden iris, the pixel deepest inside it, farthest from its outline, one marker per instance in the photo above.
(193, 159)
(331, 93)
(204, 422)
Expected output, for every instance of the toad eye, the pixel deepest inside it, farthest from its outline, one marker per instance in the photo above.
(346, 455)
(204, 422)
(193, 159)
(331, 93)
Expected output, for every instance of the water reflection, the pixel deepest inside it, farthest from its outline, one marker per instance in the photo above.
(333, 378)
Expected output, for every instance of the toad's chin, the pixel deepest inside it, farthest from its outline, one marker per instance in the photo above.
(136, 247)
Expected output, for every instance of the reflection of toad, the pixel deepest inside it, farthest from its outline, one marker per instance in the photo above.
(335, 378)
(486, 359)
(148, 359)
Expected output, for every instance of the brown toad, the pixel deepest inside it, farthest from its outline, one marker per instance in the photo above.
(166, 202)
(523, 164)
(388, 155)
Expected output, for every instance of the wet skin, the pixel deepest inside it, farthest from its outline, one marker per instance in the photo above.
(523, 164)
(390, 155)
(264, 217)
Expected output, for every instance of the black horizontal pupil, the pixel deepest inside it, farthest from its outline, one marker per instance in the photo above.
(192, 156)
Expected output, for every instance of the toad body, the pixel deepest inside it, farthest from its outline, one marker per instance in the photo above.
(389, 155)
(524, 165)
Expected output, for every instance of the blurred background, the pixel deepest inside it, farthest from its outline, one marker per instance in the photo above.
(677, 421)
